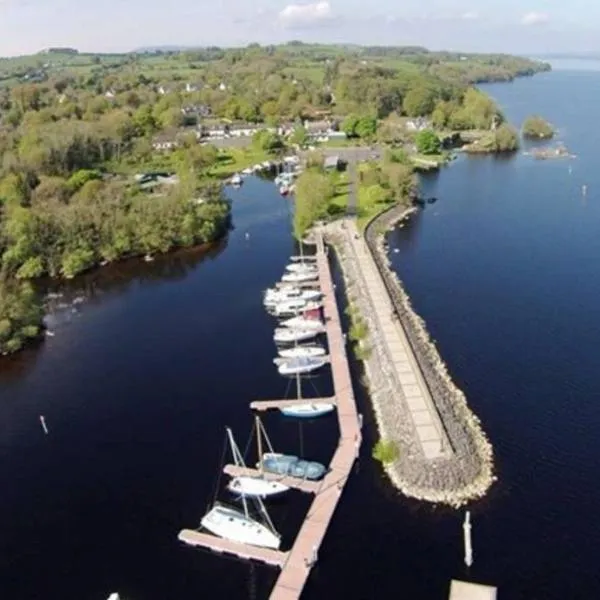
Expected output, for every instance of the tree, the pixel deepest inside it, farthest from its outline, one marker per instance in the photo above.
(349, 125)
(427, 142)
(418, 102)
(267, 140)
(314, 191)
(20, 315)
(537, 127)
(299, 136)
(506, 139)
(366, 128)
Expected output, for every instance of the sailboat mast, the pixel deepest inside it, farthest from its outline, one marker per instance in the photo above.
(259, 443)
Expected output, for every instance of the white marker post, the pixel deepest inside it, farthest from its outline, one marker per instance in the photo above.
(43, 422)
(467, 536)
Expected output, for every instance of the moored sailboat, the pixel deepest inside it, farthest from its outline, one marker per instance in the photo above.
(252, 486)
(300, 365)
(286, 335)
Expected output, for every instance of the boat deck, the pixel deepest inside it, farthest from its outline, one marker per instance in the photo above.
(211, 542)
(314, 284)
(274, 404)
(304, 485)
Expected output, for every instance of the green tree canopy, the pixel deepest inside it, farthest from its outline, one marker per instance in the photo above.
(427, 142)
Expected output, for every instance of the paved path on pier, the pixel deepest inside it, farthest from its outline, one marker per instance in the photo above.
(390, 332)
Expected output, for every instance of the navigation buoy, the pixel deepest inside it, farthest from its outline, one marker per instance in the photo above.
(43, 423)
(247, 235)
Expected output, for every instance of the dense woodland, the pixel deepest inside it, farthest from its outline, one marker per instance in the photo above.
(75, 128)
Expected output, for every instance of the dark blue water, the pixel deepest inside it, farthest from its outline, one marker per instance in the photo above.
(139, 383)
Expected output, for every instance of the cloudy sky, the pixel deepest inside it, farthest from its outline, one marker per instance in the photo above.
(524, 26)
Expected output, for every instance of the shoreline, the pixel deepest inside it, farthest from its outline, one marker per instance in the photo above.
(467, 473)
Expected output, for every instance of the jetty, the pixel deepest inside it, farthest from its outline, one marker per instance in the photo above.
(443, 453)
(296, 564)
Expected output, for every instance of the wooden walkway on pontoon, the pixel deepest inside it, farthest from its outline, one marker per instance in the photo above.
(298, 562)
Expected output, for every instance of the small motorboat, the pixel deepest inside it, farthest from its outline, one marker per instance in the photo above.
(310, 410)
(284, 190)
(284, 464)
(303, 323)
(300, 277)
(236, 180)
(311, 351)
(247, 171)
(286, 335)
(301, 365)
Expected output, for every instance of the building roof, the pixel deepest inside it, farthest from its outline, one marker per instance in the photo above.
(331, 161)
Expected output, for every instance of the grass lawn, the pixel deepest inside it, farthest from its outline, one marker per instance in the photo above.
(233, 160)
(339, 203)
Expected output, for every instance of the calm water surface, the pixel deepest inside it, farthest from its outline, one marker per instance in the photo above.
(140, 381)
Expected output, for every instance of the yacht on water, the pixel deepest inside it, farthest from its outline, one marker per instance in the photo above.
(300, 277)
(276, 296)
(286, 335)
(301, 322)
(310, 350)
(300, 365)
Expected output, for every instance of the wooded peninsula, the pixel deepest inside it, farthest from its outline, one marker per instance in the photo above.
(112, 156)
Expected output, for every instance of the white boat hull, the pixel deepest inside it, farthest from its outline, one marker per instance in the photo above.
(301, 351)
(288, 336)
(302, 268)
(296, 366)
(234, 526)
(302, 323)
(308, 410)
(299, 277)
(256, 487)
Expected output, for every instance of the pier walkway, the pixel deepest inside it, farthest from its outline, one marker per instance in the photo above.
(410, 380)
(297, 563)
(305, 550)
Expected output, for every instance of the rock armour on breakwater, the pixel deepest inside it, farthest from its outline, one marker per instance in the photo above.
(466, 472)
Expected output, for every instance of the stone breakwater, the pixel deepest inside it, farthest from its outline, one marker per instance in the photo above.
(465, 470)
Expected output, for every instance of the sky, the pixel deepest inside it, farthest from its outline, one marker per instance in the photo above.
(516, 26)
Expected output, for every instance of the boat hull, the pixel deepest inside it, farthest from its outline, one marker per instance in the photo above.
(256, 487)
(232, 525)
(300, 366)
(291, 336)
(301, 351)
(308, 410)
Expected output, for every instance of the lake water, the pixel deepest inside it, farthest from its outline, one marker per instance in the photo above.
(142, 377)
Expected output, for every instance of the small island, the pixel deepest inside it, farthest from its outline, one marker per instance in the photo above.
(535, 127)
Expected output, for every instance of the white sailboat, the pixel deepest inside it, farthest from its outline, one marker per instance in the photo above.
(237, 526)
(310, 409)
(288, 307)
(299, 267)
(247, 485)
(286, 335)
(233, 525)
(303, 323)
(301, 365)
(301, 277)
(275, 296)
(297, 351)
